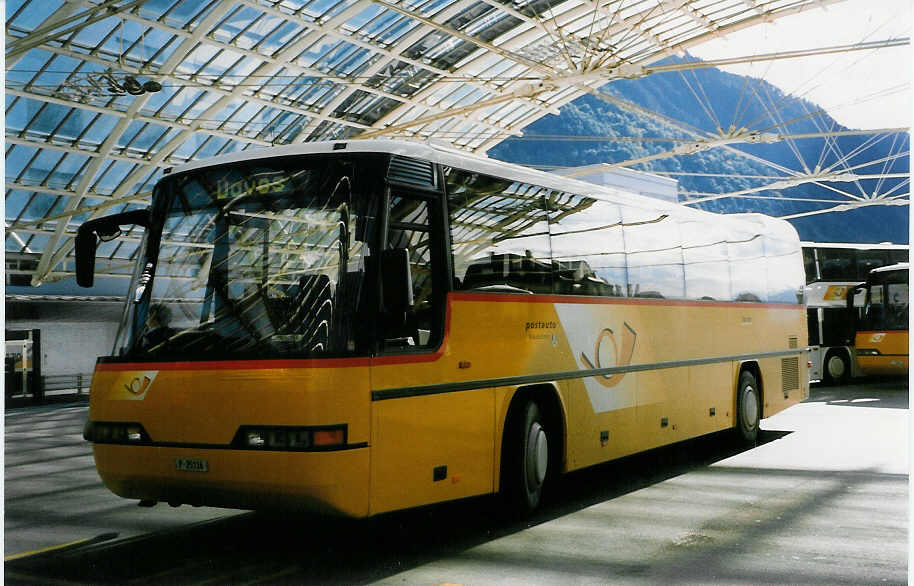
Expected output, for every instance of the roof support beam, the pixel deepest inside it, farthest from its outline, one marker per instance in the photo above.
(52, 30)
(52, 255)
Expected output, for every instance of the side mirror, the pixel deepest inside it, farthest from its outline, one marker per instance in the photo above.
(852, 312)
(396, 282)
(107, 228)
(852, 293)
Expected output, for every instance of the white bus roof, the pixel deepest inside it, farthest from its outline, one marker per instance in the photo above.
(855, 245)
(455, 158)
(902, 266)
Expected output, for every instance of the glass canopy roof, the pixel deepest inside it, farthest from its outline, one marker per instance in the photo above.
(101, 95)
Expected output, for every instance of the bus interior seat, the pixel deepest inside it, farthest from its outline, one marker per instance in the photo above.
(514, 270)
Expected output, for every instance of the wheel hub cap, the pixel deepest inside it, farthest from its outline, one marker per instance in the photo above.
(750, 408)
(537, 455)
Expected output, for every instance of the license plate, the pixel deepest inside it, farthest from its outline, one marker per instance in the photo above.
(191, 465)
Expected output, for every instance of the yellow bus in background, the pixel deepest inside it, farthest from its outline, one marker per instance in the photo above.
(365, 326)
(882, 329)
(832, 270)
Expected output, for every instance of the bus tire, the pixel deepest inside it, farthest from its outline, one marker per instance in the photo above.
(525, 466)
(748, 408)
(837, 367)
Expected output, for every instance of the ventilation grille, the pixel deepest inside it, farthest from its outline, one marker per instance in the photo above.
(411, 172)
(790, 374)
(792, 342)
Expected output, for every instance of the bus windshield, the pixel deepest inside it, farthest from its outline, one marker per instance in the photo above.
(886, 301)
(260, 259)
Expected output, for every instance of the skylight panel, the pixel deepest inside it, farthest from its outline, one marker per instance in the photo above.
(15, 203)
(211, 147)
(199, 105)
(238, 73)
(33, 15)
(39, 206)
(177, 103)
(370, 13)
(349, 65)
(187, 14)
(262, 123)
(147, 182)
(329, 62)
(324, 10)
(19, 116)
(126, 137)
(392, 34)
(221, 63)
(40, 167)
(96, 35)
(316, 96)
(17, 159)
(282, 35)
(68, 172)
(154, 9)
(156, 102)
(27, 68)
(35, 243)
(316, 51)
(126, 251)
(188, 148)
(242, 116)
(234, 25)
(85, 203)
(143, 142)
(99, 130)
(112, 177)
(265, 26)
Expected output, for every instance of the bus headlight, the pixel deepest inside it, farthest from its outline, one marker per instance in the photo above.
(868, 352)
(289, 439)
(107, 432)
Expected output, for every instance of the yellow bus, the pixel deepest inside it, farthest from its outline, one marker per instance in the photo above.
(882, 329)
(366, 326)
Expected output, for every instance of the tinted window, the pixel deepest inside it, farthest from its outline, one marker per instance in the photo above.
(748, 271)
(587, 246)
(499, 234)
(653, 254)
(707, 270)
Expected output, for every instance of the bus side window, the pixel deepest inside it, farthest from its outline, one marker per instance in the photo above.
(588, 250)
(499, 234)
(409, 228)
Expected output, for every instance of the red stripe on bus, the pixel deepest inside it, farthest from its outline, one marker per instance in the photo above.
(279, 363)
(868, 332)
(236, 364)
(522, 298)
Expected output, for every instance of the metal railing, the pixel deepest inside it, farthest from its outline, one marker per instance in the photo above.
(78, 382)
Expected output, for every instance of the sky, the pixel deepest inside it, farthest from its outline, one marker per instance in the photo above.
(860, 89)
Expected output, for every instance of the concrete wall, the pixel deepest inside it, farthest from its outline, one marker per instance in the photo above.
(73, 333)
(70, 347)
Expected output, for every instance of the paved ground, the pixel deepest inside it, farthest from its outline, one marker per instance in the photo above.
(821, 500)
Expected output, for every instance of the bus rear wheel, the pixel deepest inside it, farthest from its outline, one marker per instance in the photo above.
(525, 463)
(837, 368)
(748, 407)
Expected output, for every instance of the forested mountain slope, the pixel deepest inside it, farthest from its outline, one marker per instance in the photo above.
(711, 100)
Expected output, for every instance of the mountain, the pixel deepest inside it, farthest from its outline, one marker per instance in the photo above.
(710, 100)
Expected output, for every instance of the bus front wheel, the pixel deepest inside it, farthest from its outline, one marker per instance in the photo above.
(748, 407)
(526, 459)
(837, 368)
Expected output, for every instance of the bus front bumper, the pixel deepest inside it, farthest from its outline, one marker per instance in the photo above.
(333, 482)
